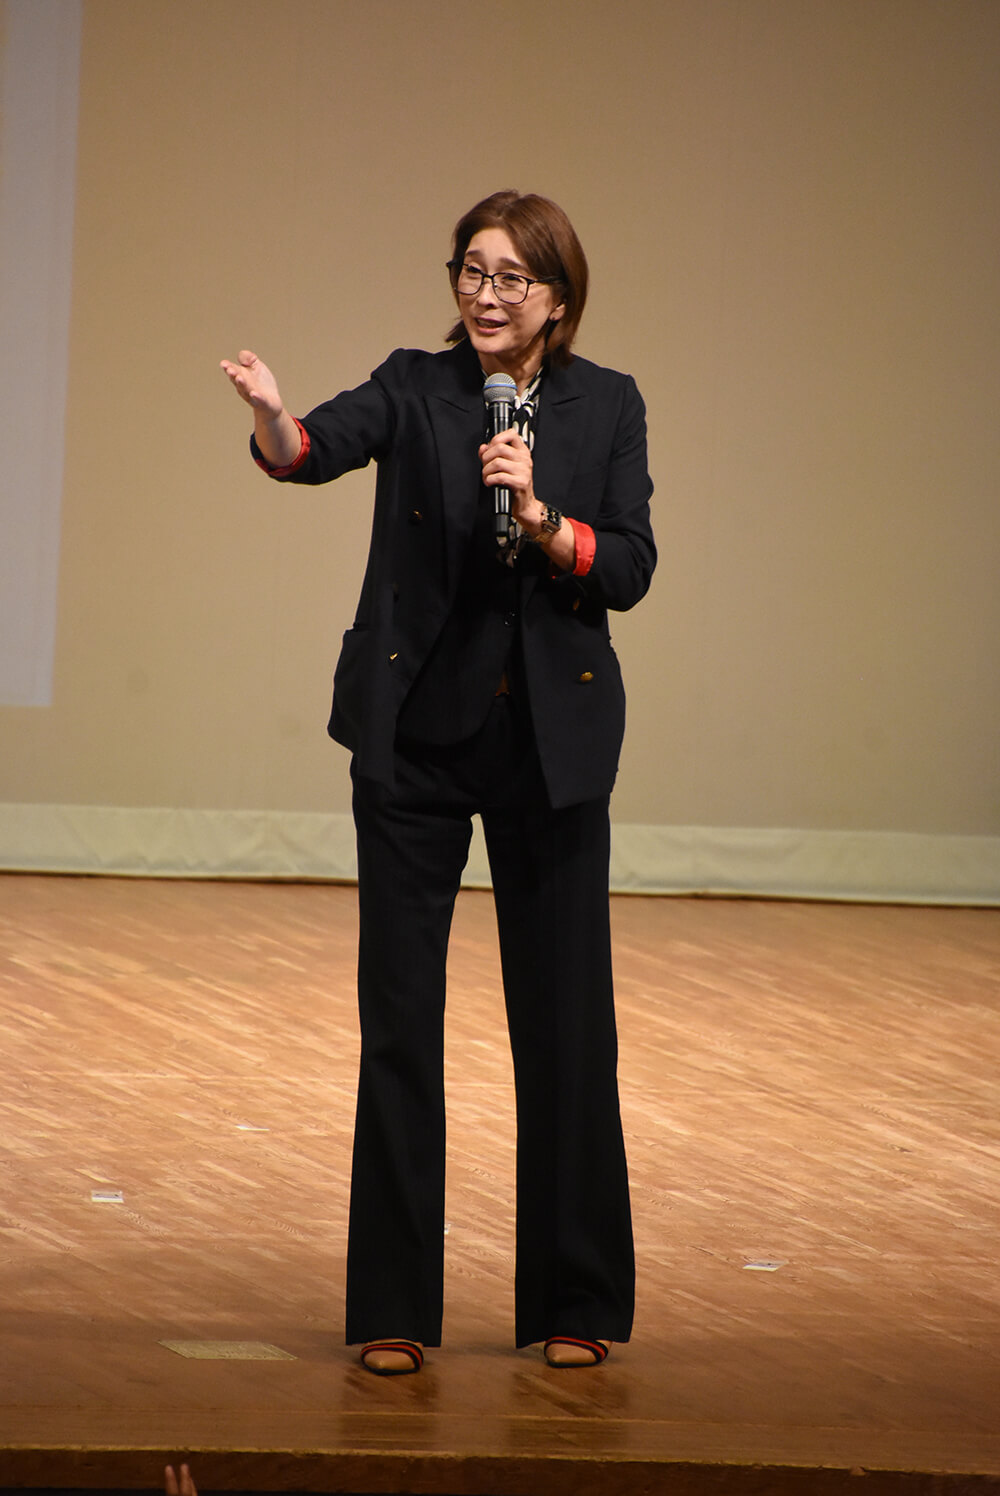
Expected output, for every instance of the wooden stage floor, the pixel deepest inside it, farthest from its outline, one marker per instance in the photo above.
(810, 1094)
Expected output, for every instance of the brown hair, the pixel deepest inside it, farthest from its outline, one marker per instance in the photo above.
(547, 242)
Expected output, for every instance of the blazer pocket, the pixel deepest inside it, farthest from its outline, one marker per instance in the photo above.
(352, 675)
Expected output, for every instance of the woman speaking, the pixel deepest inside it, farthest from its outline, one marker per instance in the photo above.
(479, 678)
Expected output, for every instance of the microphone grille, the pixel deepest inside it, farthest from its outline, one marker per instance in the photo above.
(500, 389)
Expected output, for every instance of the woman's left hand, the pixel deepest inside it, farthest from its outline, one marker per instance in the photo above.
(507, 464)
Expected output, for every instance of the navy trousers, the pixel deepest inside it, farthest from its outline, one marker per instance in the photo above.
(575, 1269)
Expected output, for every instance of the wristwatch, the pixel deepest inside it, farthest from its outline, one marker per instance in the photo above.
(551, 522)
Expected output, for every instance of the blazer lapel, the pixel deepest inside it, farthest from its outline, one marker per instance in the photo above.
(455, 410)
(562, 420)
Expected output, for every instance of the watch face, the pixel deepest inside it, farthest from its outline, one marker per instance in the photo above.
(552, 520)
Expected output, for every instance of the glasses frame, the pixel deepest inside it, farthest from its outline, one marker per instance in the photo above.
(455, 268)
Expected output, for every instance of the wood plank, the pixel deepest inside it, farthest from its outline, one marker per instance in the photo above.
(807, 1085)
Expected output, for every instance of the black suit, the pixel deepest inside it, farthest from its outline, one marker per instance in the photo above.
(437, 624)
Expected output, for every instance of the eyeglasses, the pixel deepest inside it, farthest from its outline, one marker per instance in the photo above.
(507, 287)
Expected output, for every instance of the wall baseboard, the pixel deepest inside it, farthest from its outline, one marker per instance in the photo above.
(867, 866)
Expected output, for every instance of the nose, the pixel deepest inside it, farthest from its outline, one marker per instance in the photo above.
(487, 292)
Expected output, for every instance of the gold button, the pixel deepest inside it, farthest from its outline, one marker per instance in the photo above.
(586, 677)
(394, 654)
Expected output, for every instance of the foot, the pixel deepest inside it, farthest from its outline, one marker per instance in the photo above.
(392, 1358)
(569, 1350)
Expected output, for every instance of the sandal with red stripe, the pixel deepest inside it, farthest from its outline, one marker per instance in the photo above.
(392, 1358)
(569, 1350)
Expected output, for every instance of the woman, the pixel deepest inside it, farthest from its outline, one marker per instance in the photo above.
(479, 678)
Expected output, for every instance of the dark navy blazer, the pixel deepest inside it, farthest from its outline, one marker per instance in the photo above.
(420, 417)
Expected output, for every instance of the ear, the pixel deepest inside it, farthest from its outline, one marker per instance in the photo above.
(557, 312)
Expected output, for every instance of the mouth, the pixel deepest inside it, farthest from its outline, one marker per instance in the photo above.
(489, 324)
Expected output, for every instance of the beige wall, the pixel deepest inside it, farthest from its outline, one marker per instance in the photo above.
(791, 213)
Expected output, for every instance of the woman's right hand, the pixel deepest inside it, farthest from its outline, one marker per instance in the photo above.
(278, 435)
(254, 383)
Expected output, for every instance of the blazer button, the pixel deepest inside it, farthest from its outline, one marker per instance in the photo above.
(576, 604)
(416, 518)
(586, 677)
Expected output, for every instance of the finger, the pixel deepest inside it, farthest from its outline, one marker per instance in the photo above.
(170, 1482)
(510, 459)
(504, 438)
(509, 453)
(519, 483)
(236, 372)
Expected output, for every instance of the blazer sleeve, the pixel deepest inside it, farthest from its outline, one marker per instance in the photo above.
(625, 551)
(344, 433)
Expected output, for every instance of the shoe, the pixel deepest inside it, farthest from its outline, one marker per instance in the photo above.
(392, 1358)
(569, 1350)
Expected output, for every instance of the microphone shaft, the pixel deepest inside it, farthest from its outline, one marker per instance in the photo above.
(501, 416)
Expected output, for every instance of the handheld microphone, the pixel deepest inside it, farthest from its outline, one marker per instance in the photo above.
(500, 393)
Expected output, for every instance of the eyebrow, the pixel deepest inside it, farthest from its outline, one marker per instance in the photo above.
(505, 264)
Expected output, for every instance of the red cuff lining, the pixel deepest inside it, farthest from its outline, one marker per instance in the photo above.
(290, 467)
(586, 547)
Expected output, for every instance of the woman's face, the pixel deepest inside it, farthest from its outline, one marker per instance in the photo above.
(508, 339)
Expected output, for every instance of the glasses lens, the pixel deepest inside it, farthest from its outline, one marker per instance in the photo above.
(468, 280)
(511, 288)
